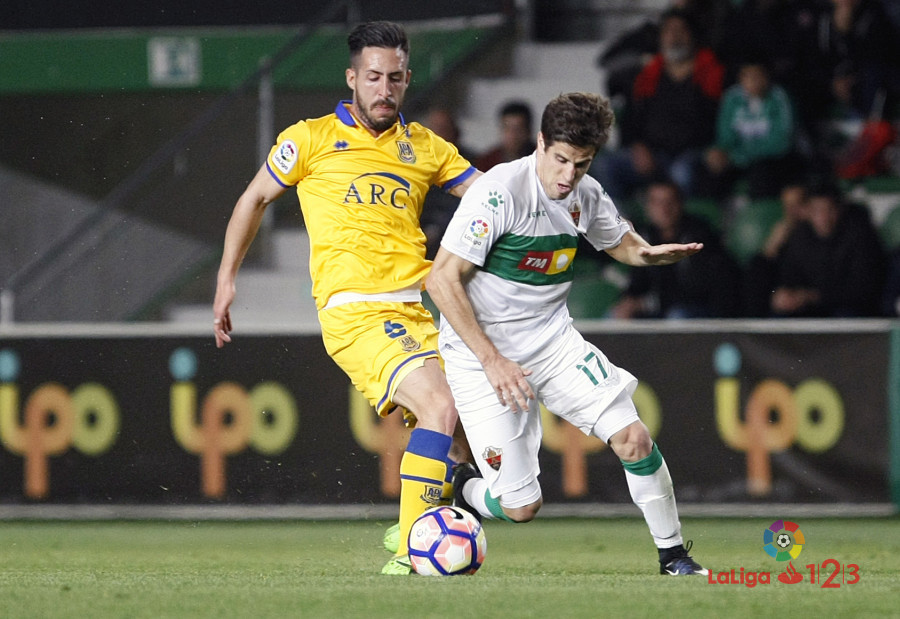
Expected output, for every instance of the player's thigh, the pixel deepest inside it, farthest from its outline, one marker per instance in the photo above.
(378, 344)
(583, 387)
(424, 391)
(504, 444)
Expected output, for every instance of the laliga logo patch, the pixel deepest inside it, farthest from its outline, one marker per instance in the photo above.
(285, 157)
(494, 457)
(477, 230)
(406, 152)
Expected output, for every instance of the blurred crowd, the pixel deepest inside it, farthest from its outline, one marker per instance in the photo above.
(759, 112)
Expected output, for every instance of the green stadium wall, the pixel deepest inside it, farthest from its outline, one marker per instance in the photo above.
(204, 60)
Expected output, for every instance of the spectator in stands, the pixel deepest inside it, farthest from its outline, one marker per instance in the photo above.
(754, 137)
(706, 285)
(852, 55)
(770, 29)
(759, 280)
(890, 300)
(516, 136)
(831, 264)
(671, 119)
(627, 55)
(439, 205)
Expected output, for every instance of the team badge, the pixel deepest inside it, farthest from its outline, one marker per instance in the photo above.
(432, 495)
(575, 211)
(285, 157)
(493, 456)
(406, 152)
(409, 343)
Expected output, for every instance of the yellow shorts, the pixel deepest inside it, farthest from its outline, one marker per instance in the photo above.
(378, 344)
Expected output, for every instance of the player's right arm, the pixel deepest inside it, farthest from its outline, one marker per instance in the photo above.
(445, 285)
(242, 229)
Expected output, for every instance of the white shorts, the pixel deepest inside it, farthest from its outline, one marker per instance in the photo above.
(570, 376)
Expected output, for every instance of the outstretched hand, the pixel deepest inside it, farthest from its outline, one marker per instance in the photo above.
(668, 253)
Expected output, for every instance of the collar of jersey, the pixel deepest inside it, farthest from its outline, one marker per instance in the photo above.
(343, 113)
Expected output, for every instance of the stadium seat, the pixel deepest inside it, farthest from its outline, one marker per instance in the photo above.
(706, 208)
(750, 227)
(595, 290)
(882, 184)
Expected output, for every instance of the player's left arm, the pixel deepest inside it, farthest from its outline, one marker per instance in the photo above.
(634, 250)
(446, 286)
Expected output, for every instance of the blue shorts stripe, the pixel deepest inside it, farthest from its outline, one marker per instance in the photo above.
(384, 398)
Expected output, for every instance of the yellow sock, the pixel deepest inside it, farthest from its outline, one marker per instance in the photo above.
(421, 487)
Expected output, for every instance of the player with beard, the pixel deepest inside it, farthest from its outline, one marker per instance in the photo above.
(361, 175)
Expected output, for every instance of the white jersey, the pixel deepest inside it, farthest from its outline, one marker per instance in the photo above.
(524, 244)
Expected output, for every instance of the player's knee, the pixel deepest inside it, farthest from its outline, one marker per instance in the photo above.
(632, 443)
(439, 414)
(525, 513)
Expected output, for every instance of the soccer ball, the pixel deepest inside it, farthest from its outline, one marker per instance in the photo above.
(783, 540)
(446, 541)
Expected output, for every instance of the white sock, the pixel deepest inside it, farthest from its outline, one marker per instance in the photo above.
(655, 496)
(474, 492)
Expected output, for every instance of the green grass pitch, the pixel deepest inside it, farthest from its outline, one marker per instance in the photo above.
(557, 568)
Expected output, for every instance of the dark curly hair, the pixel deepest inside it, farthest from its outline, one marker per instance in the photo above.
(582, 119)
(377, 34)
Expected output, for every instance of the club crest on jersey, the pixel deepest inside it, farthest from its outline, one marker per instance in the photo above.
(575, 211)
(408, 343)
(406, 152)
(548, 262)
(285, 157)
(494, 457)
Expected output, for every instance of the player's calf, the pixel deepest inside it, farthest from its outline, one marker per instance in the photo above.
(471, 493)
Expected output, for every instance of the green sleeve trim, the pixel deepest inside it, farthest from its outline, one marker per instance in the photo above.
(645, 466)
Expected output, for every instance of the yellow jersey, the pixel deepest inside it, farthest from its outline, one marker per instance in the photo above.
(361, 198)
